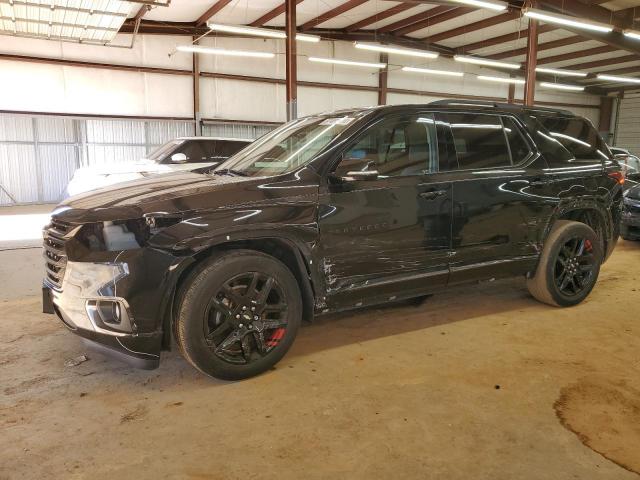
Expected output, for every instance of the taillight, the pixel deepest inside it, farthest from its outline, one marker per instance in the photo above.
(618, 177)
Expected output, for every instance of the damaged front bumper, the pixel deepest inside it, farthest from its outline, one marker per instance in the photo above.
(120, 303)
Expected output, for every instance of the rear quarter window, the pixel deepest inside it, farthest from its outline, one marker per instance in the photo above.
(578, 136)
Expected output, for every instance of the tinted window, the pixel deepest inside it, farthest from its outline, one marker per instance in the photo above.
(479, 140)
(194, 150)
(394, 147)
(576, 135)
(517, 143)
(225, 148)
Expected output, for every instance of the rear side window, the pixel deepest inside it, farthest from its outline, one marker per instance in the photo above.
(517, 144)
(479, 140)
(576, 135)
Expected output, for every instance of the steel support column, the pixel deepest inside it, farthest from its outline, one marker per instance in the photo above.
(197, 117)
(511, 96)
(383, 80)
(291, 60)
(532, 59)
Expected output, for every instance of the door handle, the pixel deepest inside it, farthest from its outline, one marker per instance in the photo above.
(433, 194)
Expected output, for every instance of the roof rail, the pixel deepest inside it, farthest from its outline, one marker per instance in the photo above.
(480, 103)
(504, 105)
(550, 110)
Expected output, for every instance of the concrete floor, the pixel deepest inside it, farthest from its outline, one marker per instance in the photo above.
(480, 382)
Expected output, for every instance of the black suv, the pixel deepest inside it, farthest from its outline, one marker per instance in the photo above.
(332, 212)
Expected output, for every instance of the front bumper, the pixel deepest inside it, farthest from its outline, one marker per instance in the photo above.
(137, 284)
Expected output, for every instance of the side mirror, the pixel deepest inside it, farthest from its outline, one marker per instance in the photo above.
(363, 175)
(179, 158)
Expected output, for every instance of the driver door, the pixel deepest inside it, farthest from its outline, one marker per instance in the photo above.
(385, 215)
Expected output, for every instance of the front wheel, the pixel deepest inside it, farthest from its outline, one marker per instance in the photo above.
(569, 265)
(238, 314)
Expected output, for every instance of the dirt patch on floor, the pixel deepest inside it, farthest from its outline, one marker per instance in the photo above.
(136, 414)
(605, 415)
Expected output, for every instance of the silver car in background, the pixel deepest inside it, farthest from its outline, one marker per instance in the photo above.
(181, 154)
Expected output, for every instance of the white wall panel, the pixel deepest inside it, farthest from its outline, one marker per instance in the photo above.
(402, 98)
(65, 89)
(316, 100)
(258, 67)
(233, 100)
(148, 50)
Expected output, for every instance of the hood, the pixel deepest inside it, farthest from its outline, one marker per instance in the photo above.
(141, 166)
(168, 193)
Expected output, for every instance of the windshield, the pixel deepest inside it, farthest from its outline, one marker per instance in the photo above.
(287, 148)
(161, 152)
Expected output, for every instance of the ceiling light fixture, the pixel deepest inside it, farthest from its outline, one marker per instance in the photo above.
(563, 73)
(517, 81)
(567, 20)
(346, 62)
(560, 86)
(615, 78)
(222, 51)
(260, 32)
(635, 34)
(492, 5)
(482, 61)
(429, 71)
(411, 52)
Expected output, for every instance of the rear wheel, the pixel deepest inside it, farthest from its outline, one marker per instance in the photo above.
(569, 265)
(238, 315)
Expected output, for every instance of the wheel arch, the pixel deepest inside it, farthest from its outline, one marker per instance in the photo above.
(283, 249)
(590, 213)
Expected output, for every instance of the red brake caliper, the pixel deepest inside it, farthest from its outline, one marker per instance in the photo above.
(588, 246)
(275, 337)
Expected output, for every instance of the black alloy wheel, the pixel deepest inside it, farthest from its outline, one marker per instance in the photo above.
(568, 266)
(575, 265)
(246, 318)
(238, 314)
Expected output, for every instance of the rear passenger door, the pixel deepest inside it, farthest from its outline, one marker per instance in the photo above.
(485, 159)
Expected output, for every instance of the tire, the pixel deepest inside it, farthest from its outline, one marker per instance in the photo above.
(217, 297)
(546, 284)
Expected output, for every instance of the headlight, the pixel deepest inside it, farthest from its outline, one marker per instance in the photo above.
(114, 236)
(96, 279)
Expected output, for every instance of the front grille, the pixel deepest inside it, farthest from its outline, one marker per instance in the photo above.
(55, 237)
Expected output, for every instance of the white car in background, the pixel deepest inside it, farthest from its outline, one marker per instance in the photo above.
(181, 154)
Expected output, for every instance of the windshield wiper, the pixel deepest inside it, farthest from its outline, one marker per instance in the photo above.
(230, 171)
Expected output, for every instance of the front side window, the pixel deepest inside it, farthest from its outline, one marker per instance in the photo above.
(223, 149)
(164, 151)
(194, 151)
(287, 148)
(479, 140)
(394, 147)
